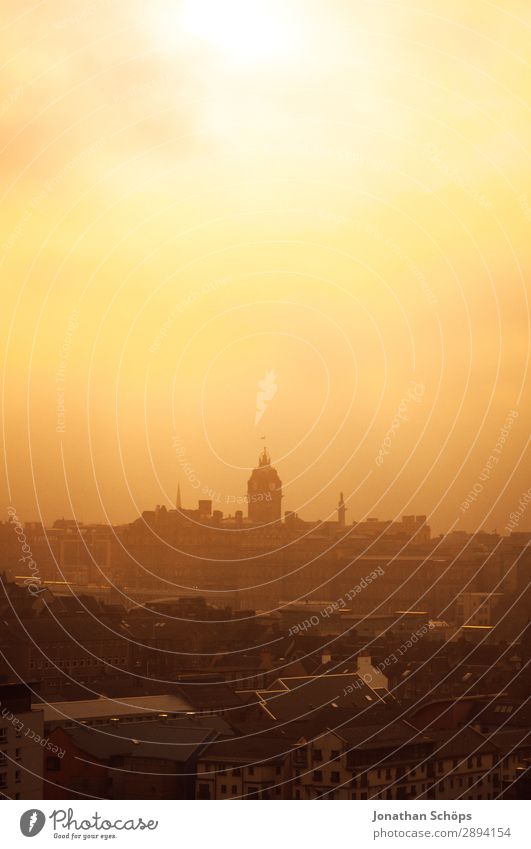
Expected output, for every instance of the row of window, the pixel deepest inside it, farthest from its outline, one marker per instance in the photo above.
(3, 758)
(90, 661)
(317, 754)
(412, 791)
(457, 763)
(335, 778)
(3, 778)
(236, 771)
(317, 777)
(333, 795)
(275, 791)
(3, 734)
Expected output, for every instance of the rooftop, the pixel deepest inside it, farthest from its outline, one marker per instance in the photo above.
(103, 708)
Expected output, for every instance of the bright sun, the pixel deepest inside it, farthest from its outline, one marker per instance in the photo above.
(247, 31)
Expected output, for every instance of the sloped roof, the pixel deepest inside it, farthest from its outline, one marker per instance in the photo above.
(305, 695)
(381, 736)
(461, 743)
(248, 750)
(153, 740)
(101, 708)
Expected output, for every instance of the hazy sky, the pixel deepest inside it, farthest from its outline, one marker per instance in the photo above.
(197, 194)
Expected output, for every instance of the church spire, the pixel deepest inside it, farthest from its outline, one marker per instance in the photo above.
(264, 458)
(178, 501)
(341, 510)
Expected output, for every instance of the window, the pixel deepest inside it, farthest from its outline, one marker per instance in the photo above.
(53, 764)
(18, 754)
(250, 770)
(299, 756)
(223, 788)
(334, 777)
(478, 760)
(317, 755)
(388, 775)
(334, 754)
(17, 776)
(469, 763)
(318, 776)
(233, 790)
(3, 779)
(236, 771)
(3, 734)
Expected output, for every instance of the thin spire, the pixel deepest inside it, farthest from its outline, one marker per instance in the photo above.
(341, 510)
(264, 459)
(178, 502)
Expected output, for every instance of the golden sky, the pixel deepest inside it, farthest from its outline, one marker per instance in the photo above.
(196, 194)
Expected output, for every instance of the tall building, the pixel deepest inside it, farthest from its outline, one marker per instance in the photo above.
(22, 744)
(341, 510)
(264, 492)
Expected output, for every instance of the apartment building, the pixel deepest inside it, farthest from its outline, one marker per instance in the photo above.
(21, 744)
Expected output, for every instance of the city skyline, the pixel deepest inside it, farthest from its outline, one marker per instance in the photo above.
(265, 502)
(190, 488)
(339, 211)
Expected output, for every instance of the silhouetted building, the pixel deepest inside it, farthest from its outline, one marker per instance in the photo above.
(264, 492)
(22, 744)
(341, 510)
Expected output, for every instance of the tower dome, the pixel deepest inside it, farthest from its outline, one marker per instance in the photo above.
(264, 492)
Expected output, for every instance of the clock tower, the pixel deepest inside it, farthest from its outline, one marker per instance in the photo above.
(264, 492)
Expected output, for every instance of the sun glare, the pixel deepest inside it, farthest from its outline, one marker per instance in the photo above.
(246, 31)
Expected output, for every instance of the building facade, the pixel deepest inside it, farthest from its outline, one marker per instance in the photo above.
(264, 492)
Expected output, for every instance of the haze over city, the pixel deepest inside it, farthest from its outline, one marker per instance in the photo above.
(266, 529)
(338, 197)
